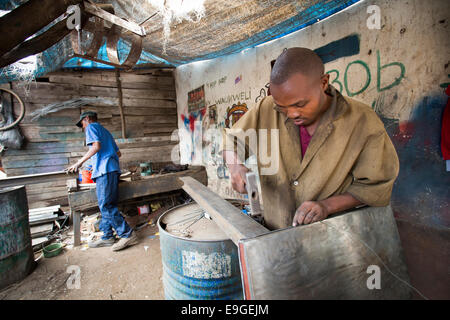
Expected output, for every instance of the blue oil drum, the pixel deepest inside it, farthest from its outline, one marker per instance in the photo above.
(199, 261)
(16, 252)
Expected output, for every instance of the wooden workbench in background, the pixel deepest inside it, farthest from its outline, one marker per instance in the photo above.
(84, 200)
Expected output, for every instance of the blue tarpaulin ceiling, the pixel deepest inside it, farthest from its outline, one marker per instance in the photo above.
(226, 27)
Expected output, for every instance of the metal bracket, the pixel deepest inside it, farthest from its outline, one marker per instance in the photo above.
(112, 35)
(91, 8)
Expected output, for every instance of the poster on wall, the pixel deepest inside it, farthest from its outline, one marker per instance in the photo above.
(234, 113)
(196, 99)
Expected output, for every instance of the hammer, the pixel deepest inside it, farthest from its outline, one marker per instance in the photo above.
(253, 194)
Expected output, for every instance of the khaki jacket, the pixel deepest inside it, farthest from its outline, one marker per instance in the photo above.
(349, 152)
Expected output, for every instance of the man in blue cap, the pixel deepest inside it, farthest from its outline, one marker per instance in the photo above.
(105, 172)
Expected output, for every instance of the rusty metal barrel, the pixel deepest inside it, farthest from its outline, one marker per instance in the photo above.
(16, 252)
(199, 261)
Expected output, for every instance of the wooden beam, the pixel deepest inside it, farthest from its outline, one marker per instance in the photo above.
(29, 18)
(120, 97)
(96, 11)
(37, 44)
(236, 225)
(76, 220)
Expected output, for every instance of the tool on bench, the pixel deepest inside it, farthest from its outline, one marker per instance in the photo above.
(253, 194)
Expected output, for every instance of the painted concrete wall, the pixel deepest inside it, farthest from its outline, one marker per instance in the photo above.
(398, 69)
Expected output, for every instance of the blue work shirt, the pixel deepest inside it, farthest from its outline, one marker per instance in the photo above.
(106, 159)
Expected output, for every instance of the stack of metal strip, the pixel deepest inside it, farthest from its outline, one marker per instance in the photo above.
(43, 221)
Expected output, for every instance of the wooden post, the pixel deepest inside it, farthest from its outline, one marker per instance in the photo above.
(72, 185)
(122, 116)
(76, 218)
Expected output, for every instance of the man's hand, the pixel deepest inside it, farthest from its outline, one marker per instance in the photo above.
(313, 211)
(310, 212)
(238, 177)
(237, 171)
(93, 150)
(74, 168)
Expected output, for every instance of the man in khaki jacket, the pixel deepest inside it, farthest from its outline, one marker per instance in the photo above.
(332, 153)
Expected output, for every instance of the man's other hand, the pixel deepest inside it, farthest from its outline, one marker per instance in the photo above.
(238, 177)
(74, 168)
(310, 212)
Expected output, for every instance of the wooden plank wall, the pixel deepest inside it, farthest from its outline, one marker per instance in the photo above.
(53, 142)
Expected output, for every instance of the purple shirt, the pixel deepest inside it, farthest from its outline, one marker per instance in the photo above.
(305, 138)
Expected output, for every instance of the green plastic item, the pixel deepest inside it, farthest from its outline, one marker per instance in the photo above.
(52, 250)
(145, 164)
(146, 168)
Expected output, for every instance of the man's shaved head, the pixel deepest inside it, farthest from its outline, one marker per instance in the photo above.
(296, 60)
(298, 86)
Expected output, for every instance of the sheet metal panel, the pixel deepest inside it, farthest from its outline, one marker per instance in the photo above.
(331, 259)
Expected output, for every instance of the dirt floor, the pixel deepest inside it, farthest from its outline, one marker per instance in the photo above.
(133, 273)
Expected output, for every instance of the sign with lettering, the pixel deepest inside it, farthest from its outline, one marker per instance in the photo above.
(196, 99)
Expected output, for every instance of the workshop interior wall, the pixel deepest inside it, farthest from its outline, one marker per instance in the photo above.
(400, 70)
(52, 142)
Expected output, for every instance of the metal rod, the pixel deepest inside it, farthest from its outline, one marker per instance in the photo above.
(185, 220)
(200, 218)
(34, 178)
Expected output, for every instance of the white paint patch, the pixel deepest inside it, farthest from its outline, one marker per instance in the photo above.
(206, 266)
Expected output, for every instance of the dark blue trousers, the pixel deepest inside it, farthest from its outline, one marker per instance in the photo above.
(107, 196)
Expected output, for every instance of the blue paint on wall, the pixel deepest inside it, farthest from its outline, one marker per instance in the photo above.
(344, 47)
(421, 192)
